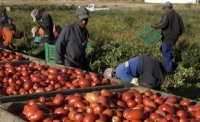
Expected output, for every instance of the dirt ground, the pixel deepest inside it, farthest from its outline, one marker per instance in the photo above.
(113, 4)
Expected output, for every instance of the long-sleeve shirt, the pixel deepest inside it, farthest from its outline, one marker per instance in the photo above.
(170, 26)
(47, 25)
(128, 70)
(71, 44)
(148, 70)
(7, 36)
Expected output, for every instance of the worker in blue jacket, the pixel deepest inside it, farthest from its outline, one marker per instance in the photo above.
(142, 70)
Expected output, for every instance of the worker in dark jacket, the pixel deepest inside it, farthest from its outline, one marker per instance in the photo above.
(172, 27)
(71, 43)
(45, 21)
(149, 71)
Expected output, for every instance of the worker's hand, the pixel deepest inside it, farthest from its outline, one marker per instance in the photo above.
(135, 81)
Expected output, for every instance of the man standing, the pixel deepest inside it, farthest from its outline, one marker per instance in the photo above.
(45, 21)
(71, 43)
(171, 28)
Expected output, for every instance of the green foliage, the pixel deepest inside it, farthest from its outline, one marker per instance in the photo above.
(29, 7)
(114, 39)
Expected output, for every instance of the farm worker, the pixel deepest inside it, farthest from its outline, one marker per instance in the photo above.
(10, 25)
(71, 43)
(8, 35)
(149, 71)
(45, 21)
(3, 20)
(172, 27)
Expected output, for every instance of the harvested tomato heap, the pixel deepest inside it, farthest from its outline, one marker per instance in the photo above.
(7, 56)
(28, 79)
(106, 106)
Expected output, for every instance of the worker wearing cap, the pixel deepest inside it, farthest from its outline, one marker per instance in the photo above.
(142, 70)
(45, 21)
(71, 43)
(172, 27)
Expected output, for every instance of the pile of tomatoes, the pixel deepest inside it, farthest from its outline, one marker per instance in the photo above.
(106, 106)
(35, 78)
(7, 56)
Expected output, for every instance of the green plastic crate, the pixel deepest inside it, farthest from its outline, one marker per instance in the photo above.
(49, 53)
(150, 35)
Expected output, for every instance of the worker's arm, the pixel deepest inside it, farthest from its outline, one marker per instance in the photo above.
(163, 23)
(60, 46)
(7, 36)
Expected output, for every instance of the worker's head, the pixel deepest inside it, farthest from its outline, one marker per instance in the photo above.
(36, 14)
(10, 20)
(34, 30)
(82, 17)
(110, 72)
(167, 6)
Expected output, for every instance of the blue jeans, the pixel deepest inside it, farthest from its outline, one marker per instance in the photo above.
(167, 55)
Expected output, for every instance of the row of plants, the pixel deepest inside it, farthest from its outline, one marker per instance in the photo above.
(114, 39)
(29, 7)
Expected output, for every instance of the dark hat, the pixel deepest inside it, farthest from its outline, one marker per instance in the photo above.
(82, 13)
(167, 4)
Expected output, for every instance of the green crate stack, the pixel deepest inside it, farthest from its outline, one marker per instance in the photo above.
(49, 53)
(150, 35)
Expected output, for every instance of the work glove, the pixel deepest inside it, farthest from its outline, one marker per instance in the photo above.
(135, 81)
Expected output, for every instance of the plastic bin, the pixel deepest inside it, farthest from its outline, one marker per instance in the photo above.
(37, 39)
(150, 35)
(10, 111)
(49, 52)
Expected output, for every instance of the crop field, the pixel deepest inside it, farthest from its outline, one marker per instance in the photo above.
(114, 39)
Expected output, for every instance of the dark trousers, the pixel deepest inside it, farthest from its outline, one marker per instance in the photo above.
(167, 55)
(84, 66)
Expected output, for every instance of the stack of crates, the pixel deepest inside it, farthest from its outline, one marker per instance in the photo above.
(50, 53)
(150, 35)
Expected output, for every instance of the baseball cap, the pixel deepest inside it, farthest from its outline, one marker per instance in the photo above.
(82, 13)
(34, 30)
(167, 4)
(109, 72)
(34, 13)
